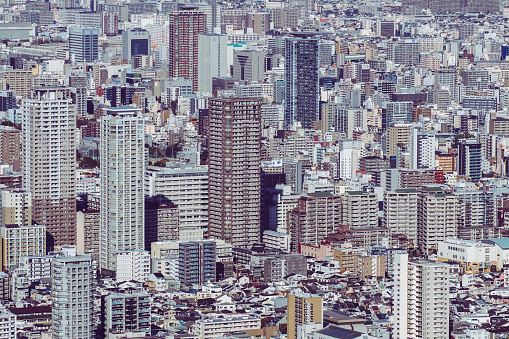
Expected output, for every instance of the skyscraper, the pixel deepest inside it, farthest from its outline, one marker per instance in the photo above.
(234, 170)
(49, 161)
(135, 42)
(211, 60)
(421, 298)
(71, 293)
(122, 157)
(301, 80)
(185, 26)
(83, 43)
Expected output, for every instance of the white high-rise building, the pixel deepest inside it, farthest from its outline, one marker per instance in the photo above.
(211, 60)
(7, 324)
(423, 149)
(133, 265)
(71, 294)
(122, 199)
(421, 298)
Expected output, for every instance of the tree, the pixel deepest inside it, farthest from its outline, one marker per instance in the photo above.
(264, 322)
(283, 328)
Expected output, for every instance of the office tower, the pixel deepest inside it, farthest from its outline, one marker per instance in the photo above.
(110, 23)
(438, 219)
(126, 312)
(211, 60)
(197, 262)
(49, 163)
(469, 159)
(303, 308)
(248, 65)
(88, 232)
(186, 187)
(301, 80)
(423, 149)
(135, 41)
(16, 207)
(400, 213)
(315, 217)
(360, 209)
(83, 44)
(421, 298)
(234, 170)
(71, 293)
(21, 241)
(185, 26)
(122, 200)
(402, 111)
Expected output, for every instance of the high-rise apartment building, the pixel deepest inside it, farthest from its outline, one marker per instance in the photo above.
(423, 149)
(21, 241)
(88, 232)
(186, 187)
(439, 215)
(185, 26)
(16, 207)
(234, 170)
(197, 262)
(360, 209)
(338, 117)
(301, 80)
(110, 23)
(421, 298)
(400, 213)
(469, 159)
(211, 60)
(84, 43)
(445, 78)
(303, 308)
(315, 217)
(124, 313)
(10, 146)
(397, 135)
(71, 293)
(122, 169)
(19, 81)
(135, 41)
(48, 141)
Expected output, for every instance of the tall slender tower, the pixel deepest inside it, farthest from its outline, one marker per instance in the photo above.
(185, 25)
(122, 199)
(301, 80)
(71, 293)
(48, 162)
(234, 170)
